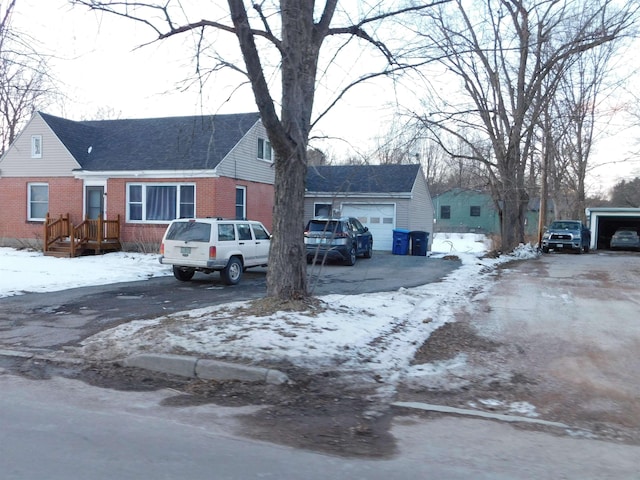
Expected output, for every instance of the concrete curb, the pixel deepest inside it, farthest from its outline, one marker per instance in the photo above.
(194, 367)
(39, 355)
(16, 354)
(476, 413)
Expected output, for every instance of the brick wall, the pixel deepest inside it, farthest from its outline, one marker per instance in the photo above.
(65, 196)
(215, 197)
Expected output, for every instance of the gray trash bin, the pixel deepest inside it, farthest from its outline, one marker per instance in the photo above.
(419, 242)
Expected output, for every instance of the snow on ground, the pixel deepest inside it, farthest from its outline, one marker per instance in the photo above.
(23, 271)
(378, 332)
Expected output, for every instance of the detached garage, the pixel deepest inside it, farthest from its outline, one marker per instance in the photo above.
(604, 221)
(382, 197)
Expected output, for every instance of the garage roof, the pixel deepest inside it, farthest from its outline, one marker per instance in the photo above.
(374, 179)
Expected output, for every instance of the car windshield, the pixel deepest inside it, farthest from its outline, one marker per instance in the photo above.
(564, 226)
(325, 226)
(189, 232)
(625, 233)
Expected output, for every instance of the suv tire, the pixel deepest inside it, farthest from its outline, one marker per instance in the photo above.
(351, 258)
(183, 274)
(232, 273)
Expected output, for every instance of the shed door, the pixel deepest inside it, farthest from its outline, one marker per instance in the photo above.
(380, 218)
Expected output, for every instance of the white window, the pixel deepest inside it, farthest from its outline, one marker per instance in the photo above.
(36, 146)
(264, 150)
(37, 201)
(160, 202)
(241, 203)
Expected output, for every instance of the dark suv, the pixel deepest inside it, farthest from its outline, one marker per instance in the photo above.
(566, 235)
(343, 239)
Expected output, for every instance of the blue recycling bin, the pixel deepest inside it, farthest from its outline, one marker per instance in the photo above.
(419, 242)
(400, 241)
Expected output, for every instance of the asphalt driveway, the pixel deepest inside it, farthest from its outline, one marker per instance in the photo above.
(46, 321)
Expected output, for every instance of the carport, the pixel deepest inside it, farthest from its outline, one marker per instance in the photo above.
(604, 221)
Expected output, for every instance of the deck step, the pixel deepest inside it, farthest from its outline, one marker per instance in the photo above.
(96, 235)
(61, 250)
(58, 253)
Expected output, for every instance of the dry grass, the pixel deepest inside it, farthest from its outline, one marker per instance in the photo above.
(267, 306)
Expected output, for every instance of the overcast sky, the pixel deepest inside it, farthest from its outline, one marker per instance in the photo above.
(100, 70)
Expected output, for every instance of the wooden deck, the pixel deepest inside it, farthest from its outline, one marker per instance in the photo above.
(64, 239)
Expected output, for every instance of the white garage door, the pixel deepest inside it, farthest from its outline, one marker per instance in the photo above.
(380, 218)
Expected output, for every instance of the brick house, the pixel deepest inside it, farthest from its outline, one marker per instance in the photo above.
(144, 172)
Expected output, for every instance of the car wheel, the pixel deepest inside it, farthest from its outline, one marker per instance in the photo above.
(351, 258)
(183, 274)
(369, 252)
(232, 273)
(545, 249)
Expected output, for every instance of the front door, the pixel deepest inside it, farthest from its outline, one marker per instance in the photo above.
(95, 202)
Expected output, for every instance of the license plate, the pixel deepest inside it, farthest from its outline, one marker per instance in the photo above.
(559, 245)
(322, 240)
(185, 251)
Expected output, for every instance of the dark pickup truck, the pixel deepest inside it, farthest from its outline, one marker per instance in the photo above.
(570, 235)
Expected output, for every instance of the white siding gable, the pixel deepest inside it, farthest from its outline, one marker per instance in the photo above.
(242, 162)
(54, 160)
(421, 208)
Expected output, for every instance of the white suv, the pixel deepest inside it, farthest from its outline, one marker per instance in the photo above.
(214, 244)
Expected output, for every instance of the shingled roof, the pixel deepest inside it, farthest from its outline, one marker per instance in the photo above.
(173, 143)
(375, 179)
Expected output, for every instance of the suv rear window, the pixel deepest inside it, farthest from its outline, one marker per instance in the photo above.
(325, 226)
(189, 232)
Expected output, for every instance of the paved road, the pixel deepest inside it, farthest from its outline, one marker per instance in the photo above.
(53, 320)
(63, 429)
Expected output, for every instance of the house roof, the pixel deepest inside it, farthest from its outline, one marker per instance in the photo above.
(173, 143)
(462, 192)
(373, 179)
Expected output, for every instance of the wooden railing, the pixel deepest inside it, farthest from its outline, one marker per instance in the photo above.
(96, 234)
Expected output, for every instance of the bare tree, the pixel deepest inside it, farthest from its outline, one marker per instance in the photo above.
(24, 82)
(316, 156)
(626, 193)
(434, 161)
(400, 144)
(509, 56)
(445, 163)
(576, 107)
(293, 31)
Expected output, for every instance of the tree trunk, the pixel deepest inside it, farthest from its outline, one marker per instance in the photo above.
(289, 134)
(510, 218)
(514, 199)
(287, 274)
